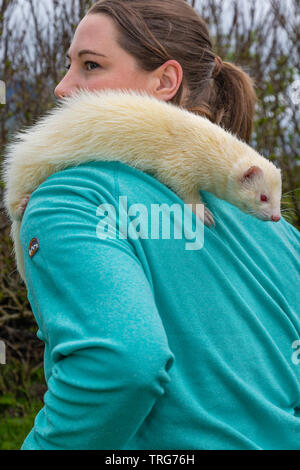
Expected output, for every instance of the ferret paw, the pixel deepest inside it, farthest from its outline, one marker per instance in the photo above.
(23, 204)
(208, 217)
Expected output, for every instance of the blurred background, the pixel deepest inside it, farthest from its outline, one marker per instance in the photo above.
(261, 37)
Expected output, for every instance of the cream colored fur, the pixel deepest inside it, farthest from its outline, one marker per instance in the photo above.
(184, 151)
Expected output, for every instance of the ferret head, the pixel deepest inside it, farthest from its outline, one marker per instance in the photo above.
(258, 188)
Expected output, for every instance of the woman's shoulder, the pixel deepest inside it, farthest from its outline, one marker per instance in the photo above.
(94, 182)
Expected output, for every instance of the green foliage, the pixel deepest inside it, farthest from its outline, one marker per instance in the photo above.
(13, 429)
(22, 387)
(268, 50)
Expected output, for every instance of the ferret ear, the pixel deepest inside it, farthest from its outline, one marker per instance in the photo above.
(252, 173)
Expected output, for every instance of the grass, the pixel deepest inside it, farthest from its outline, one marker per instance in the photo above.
(22, 387)
(13, 430)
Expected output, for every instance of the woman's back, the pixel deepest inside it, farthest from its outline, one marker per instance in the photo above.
(148, 344)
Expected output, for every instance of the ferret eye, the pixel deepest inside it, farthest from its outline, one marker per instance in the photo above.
(263, 198)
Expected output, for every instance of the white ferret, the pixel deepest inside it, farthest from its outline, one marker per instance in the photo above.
(184, 151)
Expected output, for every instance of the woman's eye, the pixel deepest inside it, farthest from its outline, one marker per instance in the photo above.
(93, 63)
(87, 62)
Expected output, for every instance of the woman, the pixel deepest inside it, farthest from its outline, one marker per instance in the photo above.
(148, 345)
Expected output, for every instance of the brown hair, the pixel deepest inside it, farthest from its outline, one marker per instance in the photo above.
(159, 30)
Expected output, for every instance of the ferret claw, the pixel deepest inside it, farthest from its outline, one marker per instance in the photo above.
(208, 217)
(23, 204)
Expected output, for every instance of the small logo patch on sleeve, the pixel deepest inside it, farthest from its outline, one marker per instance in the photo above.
(33, 247)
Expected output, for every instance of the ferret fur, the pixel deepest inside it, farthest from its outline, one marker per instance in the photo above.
(184, 151)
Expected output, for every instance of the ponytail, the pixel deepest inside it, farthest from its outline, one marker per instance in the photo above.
(229, 100)
(218, 90)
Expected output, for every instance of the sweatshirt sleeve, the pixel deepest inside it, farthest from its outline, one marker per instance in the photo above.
(106, 352)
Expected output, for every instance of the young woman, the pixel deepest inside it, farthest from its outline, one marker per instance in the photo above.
(149, 345)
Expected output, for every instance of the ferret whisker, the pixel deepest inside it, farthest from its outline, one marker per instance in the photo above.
(251, 212)
(288, 212)
(289, 192)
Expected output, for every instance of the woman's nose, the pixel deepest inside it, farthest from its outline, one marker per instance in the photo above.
(59, 93)
(63, 92)
(64, 88)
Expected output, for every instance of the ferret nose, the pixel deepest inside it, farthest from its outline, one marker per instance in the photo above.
(275, 218)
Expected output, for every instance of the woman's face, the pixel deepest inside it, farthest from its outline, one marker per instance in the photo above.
(107, 65)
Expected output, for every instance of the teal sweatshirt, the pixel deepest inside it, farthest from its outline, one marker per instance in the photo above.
(148, 344)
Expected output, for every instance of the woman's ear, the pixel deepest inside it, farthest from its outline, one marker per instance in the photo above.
(168, 80)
